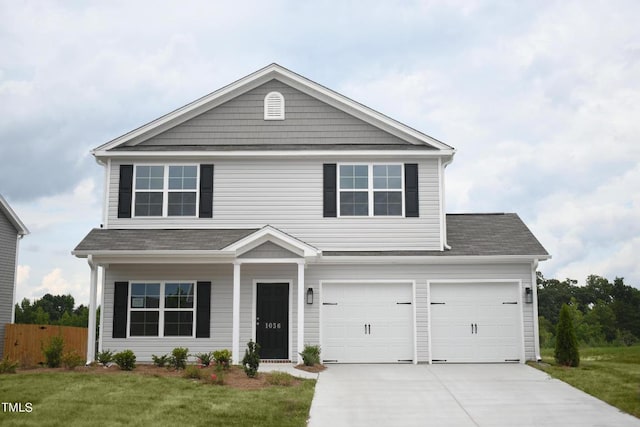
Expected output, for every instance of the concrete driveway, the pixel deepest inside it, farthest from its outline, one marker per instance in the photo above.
(454, 395)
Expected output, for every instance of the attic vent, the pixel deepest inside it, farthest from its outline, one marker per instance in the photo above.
(274, 106)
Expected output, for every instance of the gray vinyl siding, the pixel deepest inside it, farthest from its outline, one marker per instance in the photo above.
(240, 121)
(269, 250)
(8, 245)
(251, 193)
(221, 276)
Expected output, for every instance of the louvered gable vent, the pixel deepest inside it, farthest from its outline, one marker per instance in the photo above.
(274, 106)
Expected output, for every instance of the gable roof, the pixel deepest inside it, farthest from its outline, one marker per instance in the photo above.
(270, 72)
(499, 234)
(12, 217)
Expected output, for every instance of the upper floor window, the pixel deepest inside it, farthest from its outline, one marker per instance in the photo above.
(165, 190)
(274, 106)
(370, 190)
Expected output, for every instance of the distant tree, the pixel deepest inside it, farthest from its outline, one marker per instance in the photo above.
(552, 293)
(54, 310)
(566, 350)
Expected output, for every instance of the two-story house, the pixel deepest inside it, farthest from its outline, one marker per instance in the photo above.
(11, 231)
(277, 210)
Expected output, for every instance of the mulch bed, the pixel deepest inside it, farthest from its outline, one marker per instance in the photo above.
(234, 377)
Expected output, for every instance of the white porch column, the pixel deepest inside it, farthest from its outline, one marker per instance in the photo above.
(235, 335)
(93, 292)
(301, 303)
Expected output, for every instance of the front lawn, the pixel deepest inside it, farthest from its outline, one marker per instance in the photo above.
(81, 398)
(611, 374)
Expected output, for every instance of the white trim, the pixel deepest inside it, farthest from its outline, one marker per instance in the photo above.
(12, 217)
(91, 324)
(517, 282)
(207, 154)
(427, 259)
(105, 193)
(273, 71)
(321, 284)
(536, 326)
(235, 314)
(271, 111)
(443, 206)
(300, 306)
(254, 310)
(269, 233)
(101, 326)
(15, 281)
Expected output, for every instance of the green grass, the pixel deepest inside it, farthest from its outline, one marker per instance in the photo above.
(611, 374)
(68, 398)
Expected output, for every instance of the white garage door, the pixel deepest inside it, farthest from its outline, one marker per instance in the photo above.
(367, 322)
(475, 322)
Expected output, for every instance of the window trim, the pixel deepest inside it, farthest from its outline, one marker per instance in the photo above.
(165, 191)
(162, 309)
(280, 106)
(370, 190)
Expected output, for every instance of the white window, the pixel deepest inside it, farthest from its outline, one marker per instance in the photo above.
(165, 190)
(371, 190)
(274, 106)
(162, 309)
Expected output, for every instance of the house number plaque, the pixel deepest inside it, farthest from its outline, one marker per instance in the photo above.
(273, 325)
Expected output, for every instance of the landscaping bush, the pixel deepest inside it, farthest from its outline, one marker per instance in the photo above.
(217, 377)
(178, 359)
(204, 358)
(566, 351)
(125, 360)
(222, 358)
(53, 351)
(280, 378)
(192, 371)
(160, 361)
(8, 366)
(311, 355)
(251, 359)
(72, 360)
(105, 357)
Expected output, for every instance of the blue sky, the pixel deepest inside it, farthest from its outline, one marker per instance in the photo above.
(540, 98)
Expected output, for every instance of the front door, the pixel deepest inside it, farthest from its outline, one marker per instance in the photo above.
(272, 320)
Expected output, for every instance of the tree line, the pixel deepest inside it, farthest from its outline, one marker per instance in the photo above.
(603, 312)
(52, 310)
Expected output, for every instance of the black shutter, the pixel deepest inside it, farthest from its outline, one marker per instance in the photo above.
(120, 300)
(203, 309)
(125, 191)
(206, 191)
(329, 191)
(411, 190)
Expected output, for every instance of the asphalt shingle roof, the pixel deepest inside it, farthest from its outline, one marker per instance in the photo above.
(467, 234)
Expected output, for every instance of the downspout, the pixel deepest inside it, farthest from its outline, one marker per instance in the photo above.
(536, 327)
(443, 213)
(91, 332)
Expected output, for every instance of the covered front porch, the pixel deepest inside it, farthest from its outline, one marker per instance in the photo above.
(252, 288)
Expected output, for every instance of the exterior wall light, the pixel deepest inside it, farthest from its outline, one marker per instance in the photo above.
(528, 295)
(310, 296)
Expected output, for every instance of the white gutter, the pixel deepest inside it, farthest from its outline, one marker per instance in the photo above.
(536, 326)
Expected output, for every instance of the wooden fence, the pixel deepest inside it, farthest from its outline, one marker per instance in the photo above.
(24, 343)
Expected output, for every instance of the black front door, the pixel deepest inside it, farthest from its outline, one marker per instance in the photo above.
(272, 320)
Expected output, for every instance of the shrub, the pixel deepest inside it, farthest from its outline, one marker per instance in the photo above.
(204, 358)
(7, 366)
(222, 358)
(566, 351)
(125, 360)
(192, 371)
(160, 361)
(178, 359)
(217, 377)
(251, 359)
(105, 357)
(53, 351)
(280, 378)
(72, 360)
(311, 355)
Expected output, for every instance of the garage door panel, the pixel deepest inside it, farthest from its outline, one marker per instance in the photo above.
(365, 323)
(475, 322)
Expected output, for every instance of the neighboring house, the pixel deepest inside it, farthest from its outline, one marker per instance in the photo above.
(277, 210)
(11, 231)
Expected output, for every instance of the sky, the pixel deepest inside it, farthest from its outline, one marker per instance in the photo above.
(541, 100)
